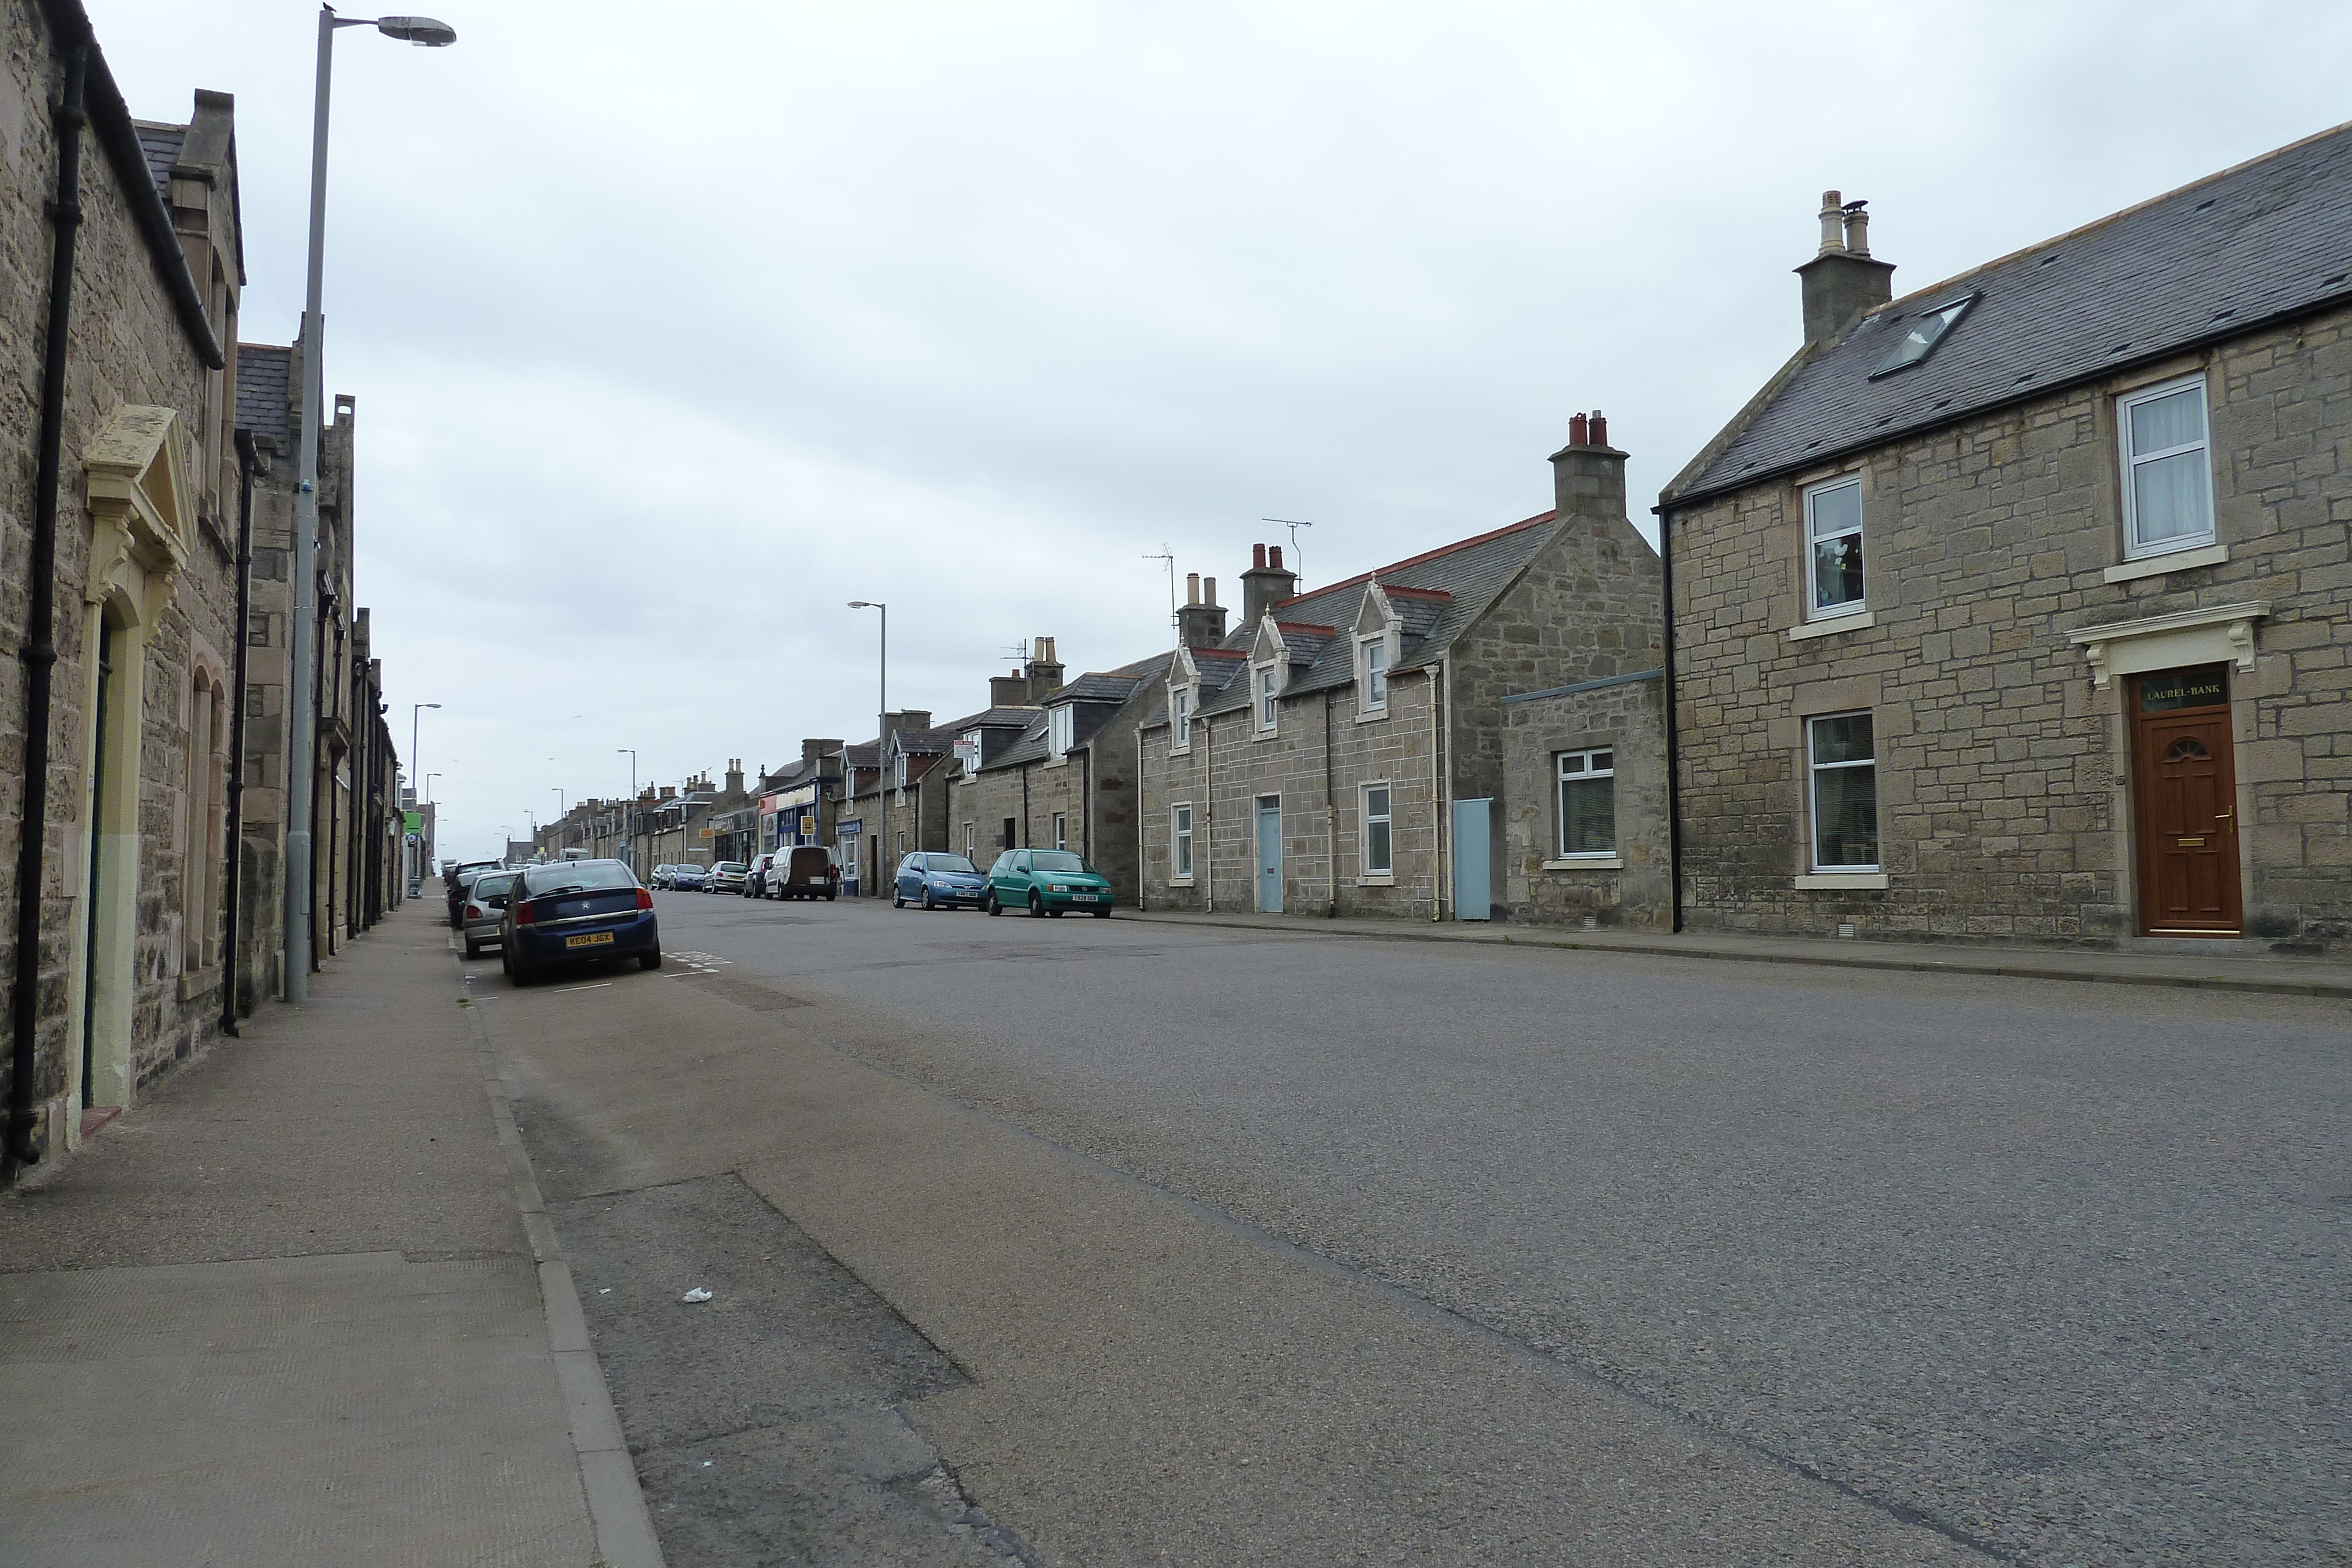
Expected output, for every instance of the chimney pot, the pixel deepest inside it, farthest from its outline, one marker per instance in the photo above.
(1192, 588)
(1833, 223)
(1857, 230)
(1273, 557)
(1257, 558)
(1578, 434)
(1208, 590)
(1600, 428)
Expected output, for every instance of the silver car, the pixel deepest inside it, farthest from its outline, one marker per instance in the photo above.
(483, 909)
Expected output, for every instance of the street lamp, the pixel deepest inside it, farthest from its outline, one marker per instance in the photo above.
(302, 716)
(415, 715)
(881, 730)
(629, 813)
(428, 787)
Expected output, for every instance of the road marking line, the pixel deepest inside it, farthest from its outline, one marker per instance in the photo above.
(594, 986)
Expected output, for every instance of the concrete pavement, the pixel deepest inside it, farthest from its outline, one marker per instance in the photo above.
(289, 1310)
(2188, 966)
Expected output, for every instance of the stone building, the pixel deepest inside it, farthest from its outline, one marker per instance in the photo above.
(795, 802)
(118, 522)
(1351, 750)
(2015, 608)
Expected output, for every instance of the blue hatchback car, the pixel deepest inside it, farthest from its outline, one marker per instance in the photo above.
(938, 882)
(576, 910)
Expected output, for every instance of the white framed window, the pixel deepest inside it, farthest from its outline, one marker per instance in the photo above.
(971, 844)
(1587, 803)
(1061, 728)
(1180, 717)
(1372, 662)
(849, 857)
(1180, 842)
(1833, 549)
(1842, 765)
(1379, 844)
(1269, 687)
(1061, 830)
(2167, 468)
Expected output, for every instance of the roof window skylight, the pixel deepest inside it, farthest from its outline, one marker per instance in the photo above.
(1919, 340)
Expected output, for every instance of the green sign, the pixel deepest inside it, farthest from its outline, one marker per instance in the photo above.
(416, 822)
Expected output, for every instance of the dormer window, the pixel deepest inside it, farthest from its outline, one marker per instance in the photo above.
(1180, 718)
(1061, 728)
(1919, 340)
(1372, 662)
(1269, 687)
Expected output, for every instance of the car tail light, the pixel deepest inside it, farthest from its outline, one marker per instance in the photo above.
(473, 912)
(526, 914)
(644, 899)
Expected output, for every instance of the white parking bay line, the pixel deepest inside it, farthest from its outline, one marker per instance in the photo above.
(592, 986)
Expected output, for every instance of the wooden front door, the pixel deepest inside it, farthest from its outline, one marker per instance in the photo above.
(2185, 793)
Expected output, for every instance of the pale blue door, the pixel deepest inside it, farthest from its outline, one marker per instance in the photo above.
(1474, 867)
(1269, 857)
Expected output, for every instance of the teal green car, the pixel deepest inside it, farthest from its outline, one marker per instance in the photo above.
(1046, 882)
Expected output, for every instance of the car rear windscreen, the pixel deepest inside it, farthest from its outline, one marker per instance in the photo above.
(584, 876)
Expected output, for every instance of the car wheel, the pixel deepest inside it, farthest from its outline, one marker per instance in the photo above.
(928, 904)
(506, 962)
(473, 948)
(1102, 915)
(1036, 906)
(649, 960)
(897, 902)
(831, 897)
(1056, 914)
(991, 905)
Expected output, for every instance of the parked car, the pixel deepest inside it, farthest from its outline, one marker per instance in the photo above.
(686, 878)
(457, 878)
(755, 880)
(660, 879)
(486, 910)
(1046, 882)
(938, 882)
(727, 876)
(576, 910)
(811, 872)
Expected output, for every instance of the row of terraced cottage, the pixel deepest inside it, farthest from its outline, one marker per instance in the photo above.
(147, 514)
(2010, 610)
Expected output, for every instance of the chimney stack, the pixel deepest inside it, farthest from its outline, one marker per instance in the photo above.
(1588, 474)
(1044, 670)
(1201, 623)
(816, 751)
(1843, 282)
(734, 776)
(1008, 691)
(1265, 584)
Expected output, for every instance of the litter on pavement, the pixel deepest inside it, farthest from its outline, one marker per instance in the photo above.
(696, 1294)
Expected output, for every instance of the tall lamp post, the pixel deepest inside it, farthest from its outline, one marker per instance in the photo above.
(416, 716)
(629, 813)
(301, 711)
(873, 878)
(428, 787)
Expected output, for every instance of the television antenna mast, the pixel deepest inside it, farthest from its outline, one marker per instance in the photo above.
(1298, 559)
(1169, 555)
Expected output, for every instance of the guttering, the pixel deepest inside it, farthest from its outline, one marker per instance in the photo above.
(1209, 807)
(248, 459)
(1142, 871)
(21, 1147)
(1440, 808)
(110, 118)
(1674, 730)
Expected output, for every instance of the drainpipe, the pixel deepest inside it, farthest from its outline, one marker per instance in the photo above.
(1673, 748)
(1024, 804)
(1087, 803)
(1330, 815)
(22, 1146)
(1209, 806)
(1142, 868)
(231, 874)
(1437, 790)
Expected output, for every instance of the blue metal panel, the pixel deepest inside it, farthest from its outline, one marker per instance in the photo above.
(1269, 857)
(1474, 866)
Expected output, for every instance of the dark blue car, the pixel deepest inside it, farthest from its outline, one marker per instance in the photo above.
(938, 882)
(576, 910)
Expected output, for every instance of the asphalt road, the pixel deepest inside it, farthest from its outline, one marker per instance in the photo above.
(1159, 1244)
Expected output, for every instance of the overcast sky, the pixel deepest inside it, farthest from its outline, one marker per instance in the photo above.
(674, 327)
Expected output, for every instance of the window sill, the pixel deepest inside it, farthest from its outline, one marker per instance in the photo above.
(1853, 622)
(1378, 879)
(1179, 882)
(1267, 734)
(1826, 880)
(1586, 862)
(194, 983)
(2172, 560)
(1372, 715)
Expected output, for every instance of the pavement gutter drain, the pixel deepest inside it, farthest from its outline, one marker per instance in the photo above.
(608, 1478)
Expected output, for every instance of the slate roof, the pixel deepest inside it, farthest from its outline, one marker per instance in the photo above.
(996, 718)
(161, 144)
(265, 394)
(1111, 689)
(2269, 238)
(1459, 581)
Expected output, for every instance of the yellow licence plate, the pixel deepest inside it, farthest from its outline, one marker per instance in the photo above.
(592, 939)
